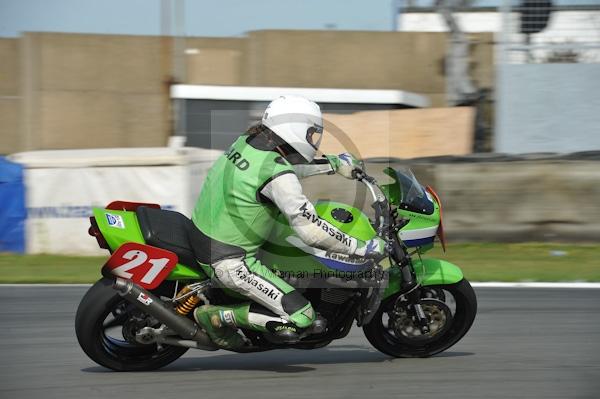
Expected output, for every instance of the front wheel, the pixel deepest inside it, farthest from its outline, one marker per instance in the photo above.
(106, 324)
(450, 310)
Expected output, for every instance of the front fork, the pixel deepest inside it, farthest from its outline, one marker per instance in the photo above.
(411, 288)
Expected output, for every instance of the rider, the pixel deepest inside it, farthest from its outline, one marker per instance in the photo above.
(244, 191)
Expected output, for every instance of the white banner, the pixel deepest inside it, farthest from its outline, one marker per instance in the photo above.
(63, 186)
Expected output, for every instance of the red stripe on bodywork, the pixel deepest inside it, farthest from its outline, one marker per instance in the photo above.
(129, 206)
(440, 230)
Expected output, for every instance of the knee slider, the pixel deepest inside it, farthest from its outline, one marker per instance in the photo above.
(226, 273)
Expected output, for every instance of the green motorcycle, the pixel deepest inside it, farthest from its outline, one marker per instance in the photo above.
(139, 315)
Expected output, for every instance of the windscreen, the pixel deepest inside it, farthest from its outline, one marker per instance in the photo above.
(412, 194)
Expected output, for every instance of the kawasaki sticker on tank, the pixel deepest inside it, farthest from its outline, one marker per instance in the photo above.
(332, 260)
(341, 237)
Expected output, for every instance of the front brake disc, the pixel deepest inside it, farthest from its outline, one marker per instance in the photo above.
(405, 327)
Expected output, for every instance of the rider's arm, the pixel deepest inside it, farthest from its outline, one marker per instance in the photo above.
(319, 166)
(285, 192)
(344, 164)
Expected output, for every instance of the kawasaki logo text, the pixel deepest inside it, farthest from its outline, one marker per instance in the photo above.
(343, 238)
(251, 279)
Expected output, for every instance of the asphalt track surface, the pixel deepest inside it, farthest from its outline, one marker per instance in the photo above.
(525, 343)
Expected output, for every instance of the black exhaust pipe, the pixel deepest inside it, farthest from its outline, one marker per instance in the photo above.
(149, 303)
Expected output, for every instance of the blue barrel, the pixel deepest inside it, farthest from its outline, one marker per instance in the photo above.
(12, 207)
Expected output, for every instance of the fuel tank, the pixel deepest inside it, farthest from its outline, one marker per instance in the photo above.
(285, 251)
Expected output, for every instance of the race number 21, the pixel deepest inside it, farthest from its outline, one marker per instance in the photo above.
(145, 265)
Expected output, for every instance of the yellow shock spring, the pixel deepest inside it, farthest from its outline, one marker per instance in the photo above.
(187, 305)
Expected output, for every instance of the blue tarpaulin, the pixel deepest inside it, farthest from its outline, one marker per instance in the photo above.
(12, 207)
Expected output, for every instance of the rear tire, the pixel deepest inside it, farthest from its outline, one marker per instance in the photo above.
(100, 302)
(388, 341)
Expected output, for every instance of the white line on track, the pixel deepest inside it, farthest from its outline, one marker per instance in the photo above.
(536, 285)
(45, 285)
(474, 284)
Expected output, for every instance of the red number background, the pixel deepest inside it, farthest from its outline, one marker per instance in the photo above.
(145, 265)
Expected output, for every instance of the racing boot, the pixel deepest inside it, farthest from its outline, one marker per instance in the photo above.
(219, 324)
(276, 329)
(219, 321)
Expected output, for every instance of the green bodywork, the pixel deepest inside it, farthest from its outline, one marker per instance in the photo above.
(418, 220)
(115, 237)
(429, 272)
(283, 256)
(360, 226)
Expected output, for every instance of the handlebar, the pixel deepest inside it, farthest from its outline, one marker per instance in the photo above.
(371, 184)
(381, 206)
(380, 203)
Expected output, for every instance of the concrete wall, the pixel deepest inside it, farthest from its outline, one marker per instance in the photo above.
(374, 60)
(9, 96)
(215, 61)
(412, 61)
(90, 91)
(521, 201)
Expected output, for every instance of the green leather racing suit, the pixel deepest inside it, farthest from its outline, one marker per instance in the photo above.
(243, 193)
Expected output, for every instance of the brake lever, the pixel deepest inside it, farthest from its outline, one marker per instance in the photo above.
(359, 175)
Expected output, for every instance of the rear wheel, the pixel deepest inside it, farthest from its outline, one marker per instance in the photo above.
(450, 309)
(106, 324)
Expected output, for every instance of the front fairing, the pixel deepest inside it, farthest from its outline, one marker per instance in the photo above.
(413, 202)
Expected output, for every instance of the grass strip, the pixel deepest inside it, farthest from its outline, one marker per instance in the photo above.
(479, 262)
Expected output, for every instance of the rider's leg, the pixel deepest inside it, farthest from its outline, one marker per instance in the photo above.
(252, 279)
(247, 276)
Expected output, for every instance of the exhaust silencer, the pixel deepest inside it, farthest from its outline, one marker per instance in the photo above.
(149, 303)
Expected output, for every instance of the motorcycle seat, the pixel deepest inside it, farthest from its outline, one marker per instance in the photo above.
(174, 232)
(168, 230)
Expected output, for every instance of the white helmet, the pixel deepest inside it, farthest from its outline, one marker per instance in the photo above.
(298, 122)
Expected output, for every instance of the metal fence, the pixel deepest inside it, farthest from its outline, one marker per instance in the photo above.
(547, 31)
(547, 78)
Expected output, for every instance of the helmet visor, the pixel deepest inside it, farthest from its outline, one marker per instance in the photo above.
(314, 134)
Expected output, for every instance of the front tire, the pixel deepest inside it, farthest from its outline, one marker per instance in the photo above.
(383, 332)
(101, 310)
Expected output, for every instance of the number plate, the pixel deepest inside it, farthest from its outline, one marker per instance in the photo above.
(145, 265)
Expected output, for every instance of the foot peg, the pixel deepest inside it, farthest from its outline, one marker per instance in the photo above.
(318, 326)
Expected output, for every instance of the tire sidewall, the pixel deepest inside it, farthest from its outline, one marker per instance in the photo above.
(96, 303)
(466, 310)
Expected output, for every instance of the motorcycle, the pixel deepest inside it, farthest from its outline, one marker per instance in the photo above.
(138, 316)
